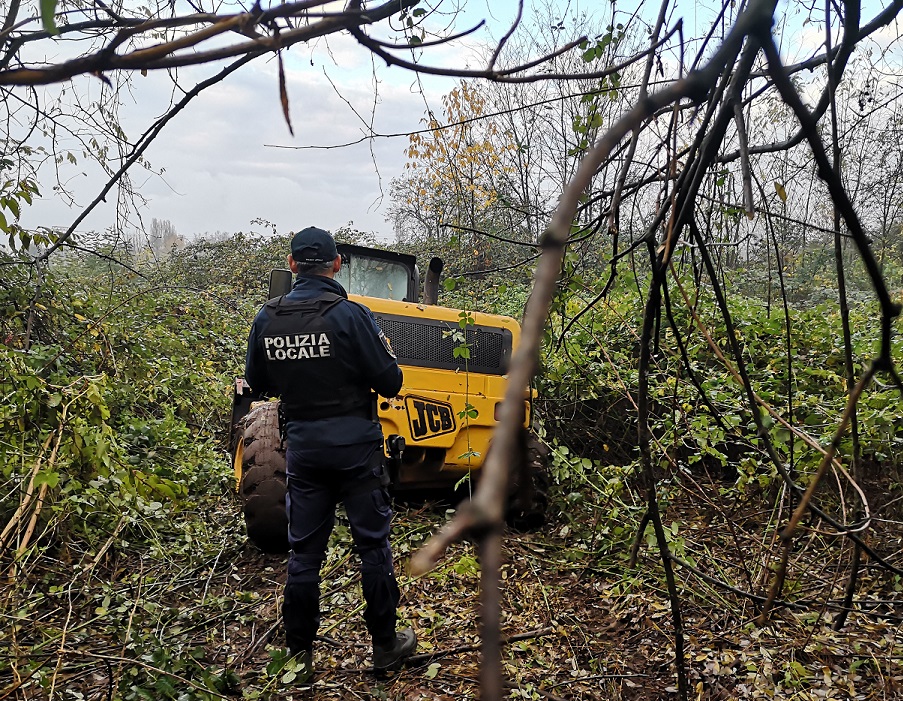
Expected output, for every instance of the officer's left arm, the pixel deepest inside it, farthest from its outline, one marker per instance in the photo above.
(378, 360)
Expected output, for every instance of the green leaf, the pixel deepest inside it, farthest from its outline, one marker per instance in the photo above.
(467, 565)
(51, 479)
(166, 490)
(48, 9)
(279, 658)
(449, 284)
(433, 670)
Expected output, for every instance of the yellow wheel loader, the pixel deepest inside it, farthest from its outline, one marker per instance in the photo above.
(437, 431)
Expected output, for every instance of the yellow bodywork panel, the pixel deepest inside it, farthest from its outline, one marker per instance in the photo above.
(443, 440)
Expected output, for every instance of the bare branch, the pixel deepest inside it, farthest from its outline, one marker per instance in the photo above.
(484, 511)
(162, 55)
(508, 75)
(142, 145)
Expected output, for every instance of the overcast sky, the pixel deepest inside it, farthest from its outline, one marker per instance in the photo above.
(224, 159)
(227, 163)
(228, 158)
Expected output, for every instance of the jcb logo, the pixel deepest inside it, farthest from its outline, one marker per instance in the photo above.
(429, 418)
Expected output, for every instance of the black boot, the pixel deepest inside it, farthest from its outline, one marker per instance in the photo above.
(391, 655)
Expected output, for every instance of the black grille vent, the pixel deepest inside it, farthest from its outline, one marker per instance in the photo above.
(431, 344)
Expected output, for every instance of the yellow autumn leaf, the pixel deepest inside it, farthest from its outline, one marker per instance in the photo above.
(779, 188)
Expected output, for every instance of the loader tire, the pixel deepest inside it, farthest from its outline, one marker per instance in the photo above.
(262, 486)
(528, 510)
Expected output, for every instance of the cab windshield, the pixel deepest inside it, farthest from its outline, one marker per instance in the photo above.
(372, 277)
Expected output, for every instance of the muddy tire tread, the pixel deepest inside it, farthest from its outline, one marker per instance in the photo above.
(262, 488)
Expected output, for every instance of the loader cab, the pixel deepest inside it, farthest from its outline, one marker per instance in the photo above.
(384, 274)
(369, 272)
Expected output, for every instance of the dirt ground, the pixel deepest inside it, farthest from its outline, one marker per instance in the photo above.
(578, 625)
(578, 621)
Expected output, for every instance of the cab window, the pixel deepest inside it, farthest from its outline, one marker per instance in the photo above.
(372, 277)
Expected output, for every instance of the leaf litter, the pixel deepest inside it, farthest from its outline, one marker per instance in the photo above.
(577, 624)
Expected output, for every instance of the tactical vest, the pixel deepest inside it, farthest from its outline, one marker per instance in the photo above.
(304, 361)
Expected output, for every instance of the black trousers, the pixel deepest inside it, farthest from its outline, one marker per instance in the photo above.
(318, 479)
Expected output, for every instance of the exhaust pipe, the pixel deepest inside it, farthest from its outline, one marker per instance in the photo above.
(431, 284)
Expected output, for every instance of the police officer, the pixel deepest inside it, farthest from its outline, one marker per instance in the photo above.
(324, 356)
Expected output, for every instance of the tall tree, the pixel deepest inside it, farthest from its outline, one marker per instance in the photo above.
(449, 192)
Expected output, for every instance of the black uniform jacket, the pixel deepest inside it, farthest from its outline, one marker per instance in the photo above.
(365, 360)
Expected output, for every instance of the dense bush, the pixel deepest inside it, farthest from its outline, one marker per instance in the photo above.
(116, 395)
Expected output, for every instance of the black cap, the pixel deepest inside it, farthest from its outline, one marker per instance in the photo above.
(313, 245)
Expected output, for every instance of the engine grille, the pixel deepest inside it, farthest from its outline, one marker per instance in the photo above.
(431, 344)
